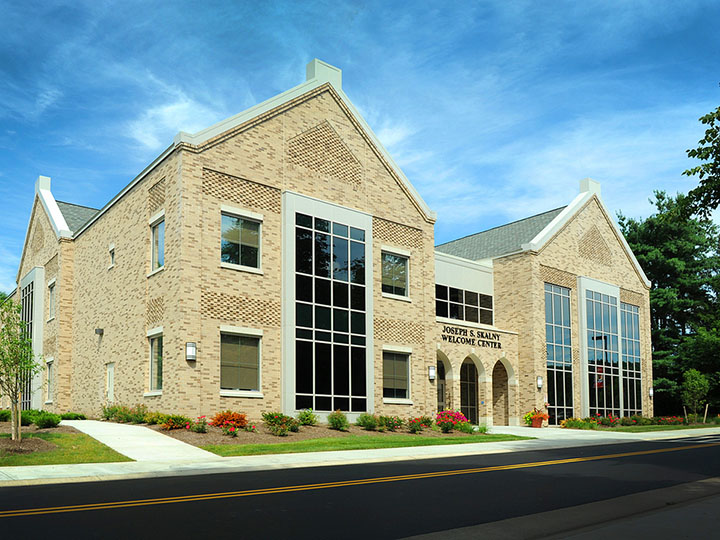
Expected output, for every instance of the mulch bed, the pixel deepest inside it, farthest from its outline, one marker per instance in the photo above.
(29, 445)
(263, 436)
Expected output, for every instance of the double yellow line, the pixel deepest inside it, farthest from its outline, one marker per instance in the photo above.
(309, 487)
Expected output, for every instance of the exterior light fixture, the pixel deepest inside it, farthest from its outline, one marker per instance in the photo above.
(651, 392)
(191, 352)
(99, 331)
(539, 382)
(431, 373)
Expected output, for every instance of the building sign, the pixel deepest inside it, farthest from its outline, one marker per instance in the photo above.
(471, 336)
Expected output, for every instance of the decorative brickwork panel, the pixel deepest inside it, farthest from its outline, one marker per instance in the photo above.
(395, 233)
(240, 191)
(321, 149)
(558, 277)
(630, 297)
(38, 241)
(154, 311)
(592, 246)
(156, 197)
(51, 268)
(396, 331)
(239, 309)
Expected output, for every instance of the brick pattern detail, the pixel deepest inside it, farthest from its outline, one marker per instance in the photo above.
(321, 149)
(226, 307)
(38, 241)
(396, 331)
(154, 311)
(395, 233)
(240, 191)
(156, 197)
(558, 277)
(630, 297)
(592, 246)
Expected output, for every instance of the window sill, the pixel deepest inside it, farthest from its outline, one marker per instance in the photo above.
(396, 297)
(51, 319)
(241, 268)
(397, 401)
(242, 394)
(48, 402)
(153, 393)
(156, 271)
(111, 267)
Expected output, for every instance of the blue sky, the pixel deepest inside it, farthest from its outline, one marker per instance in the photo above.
(495, 110)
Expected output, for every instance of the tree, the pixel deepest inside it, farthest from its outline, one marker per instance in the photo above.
(680, 257)
(695, 389)
(17, 362)
(706, 197)
(3, 296)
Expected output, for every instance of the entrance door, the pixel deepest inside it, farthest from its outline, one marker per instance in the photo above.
(441, 406)
(469, 391)
(500, 395)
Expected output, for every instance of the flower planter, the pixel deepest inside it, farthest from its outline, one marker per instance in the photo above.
(537, 422)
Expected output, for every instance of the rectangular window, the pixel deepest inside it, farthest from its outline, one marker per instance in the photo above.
(394, 274)
(559, 353)
(158, 245)
(604, 377)
(156, 363)
(240, 241)
(630, 326)
(463, 305)
(395, 375)
(112, 257)
(239, 362)
(51, 300)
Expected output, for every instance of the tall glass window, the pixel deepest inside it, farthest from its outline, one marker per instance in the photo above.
(603, 354)
(26, 314)
(330, 298)
(559, 353)
(156, 363)
(630, 323)
(463, 305)
(158, 245)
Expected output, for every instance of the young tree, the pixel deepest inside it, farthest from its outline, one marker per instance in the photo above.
(695, 388)
(17, 362)
(706, 197)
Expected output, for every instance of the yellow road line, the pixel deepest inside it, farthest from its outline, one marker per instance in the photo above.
(346, 483)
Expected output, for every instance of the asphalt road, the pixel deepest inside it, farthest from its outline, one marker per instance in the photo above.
(379, 500)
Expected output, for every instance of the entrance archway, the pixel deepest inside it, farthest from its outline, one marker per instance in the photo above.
(469, 390)
(441, 388)
(500, 395)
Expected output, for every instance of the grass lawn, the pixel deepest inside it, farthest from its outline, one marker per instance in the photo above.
(352, 442)
(642, 429)
(71, 448)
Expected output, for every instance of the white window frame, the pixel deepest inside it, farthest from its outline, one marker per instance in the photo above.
(52, 299)
(400, 349)
(398, 252)
(153, 334)
(111, 254)
(154, 222)
(49, 379)
(251, 216)
(244, 332)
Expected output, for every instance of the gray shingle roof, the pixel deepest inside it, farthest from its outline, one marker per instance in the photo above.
(499, 240)
(75, 215)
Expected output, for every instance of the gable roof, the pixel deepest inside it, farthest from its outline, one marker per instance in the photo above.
(500, 240)
(76, 215)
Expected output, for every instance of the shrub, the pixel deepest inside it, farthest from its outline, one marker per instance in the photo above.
(426, 421)
(47, 420)
(199, 426)
(136, 415)
(121, 414)
(4, 415)
(368, 422)
(669, 420)
(155, 418)
(251, 428)
(28, 417)
(307, 418)
(717, 419)
(447, 420)
(465, 427)
(176, 421)
(415, 425)
(73, 416)
(108, 411)
(337, 420)
(279, 424)
(238, 420)
(391, 423)
(482, 428)
(230, 429)
(578, 423)
(641, 420)
(607, 421)
(627, 421)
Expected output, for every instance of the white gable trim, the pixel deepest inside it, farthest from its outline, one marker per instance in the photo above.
(57, 220)
(552, 228)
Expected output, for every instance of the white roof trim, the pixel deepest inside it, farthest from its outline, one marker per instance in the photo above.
(57, 220)
(485, 265)
(544, 236)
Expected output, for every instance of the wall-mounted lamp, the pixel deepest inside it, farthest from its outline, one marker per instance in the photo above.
(431, 373)
(99, 331)
(651, 392)
(191, 352)
(539, 382)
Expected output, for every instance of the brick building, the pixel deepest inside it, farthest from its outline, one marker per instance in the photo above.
(281, 260)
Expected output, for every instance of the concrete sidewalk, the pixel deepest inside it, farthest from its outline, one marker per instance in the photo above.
(160, 455)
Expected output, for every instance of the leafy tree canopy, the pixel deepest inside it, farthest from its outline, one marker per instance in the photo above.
(706, 197)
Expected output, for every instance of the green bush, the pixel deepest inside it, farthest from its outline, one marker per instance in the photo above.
(307, 418)
(47, 420)
(337, 420)
(223, 418)
(279, 424)
(155, 418)
(28, 417)
(368, 422)
(199, 426)
(176, 421)
(391, 423)
(641, 420)
(426, 421)
(5, 415)
(121, 414)
(578, 423)
(482, 428)
(108, 411)
(465, 427)
(717, 419)
(73, 416)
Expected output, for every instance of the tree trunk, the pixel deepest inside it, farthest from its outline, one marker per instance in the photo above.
(15, 417)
